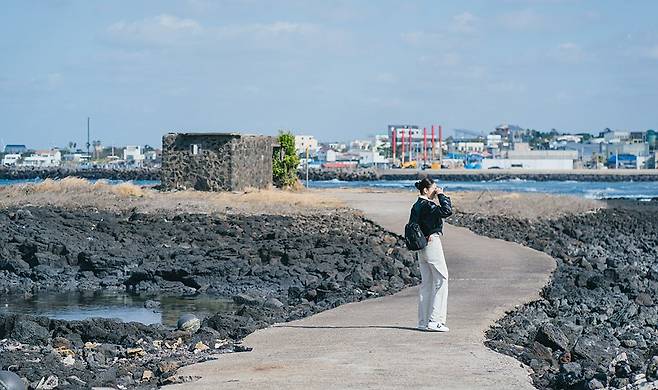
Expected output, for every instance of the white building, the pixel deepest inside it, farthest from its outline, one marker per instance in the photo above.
(372, 158)
(361, 144)
(615, 136)
(327, 155)
(305, 141)
(534, 159)
(11, 159)
(151, 155)
(569, 138)
(43, 158)
(133, 154)
(469, 147)
(494, 141)
(76, 157)
(339, 146)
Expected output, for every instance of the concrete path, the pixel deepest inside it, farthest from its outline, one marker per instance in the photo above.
(374, 345)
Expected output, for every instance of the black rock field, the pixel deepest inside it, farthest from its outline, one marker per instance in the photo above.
(596, 324)
(275, 268)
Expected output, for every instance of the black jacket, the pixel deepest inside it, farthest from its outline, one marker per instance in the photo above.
(430, 216)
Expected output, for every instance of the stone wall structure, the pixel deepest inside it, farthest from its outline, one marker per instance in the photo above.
(216, 161)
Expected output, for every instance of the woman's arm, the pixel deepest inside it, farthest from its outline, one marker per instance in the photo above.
(442, 207)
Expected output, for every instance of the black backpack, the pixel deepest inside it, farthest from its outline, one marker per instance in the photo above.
(413, 235)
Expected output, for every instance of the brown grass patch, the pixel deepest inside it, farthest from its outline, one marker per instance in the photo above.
(75, 193)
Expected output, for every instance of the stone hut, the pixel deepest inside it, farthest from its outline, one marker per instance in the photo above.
(216, 161)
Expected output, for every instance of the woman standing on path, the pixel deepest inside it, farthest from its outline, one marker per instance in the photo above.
(428, 211)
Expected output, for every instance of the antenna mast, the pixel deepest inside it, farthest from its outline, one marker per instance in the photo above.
(88, 144)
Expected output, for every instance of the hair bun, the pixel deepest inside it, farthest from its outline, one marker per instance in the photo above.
(417, 185)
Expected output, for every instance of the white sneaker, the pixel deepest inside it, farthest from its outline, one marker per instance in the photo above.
(437, 327)
(422, 326)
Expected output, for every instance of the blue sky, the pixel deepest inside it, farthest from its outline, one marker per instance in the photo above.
(335, 69)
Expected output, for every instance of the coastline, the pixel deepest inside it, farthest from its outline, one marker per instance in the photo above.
(365, 174)
(466, 175)
(595, 322)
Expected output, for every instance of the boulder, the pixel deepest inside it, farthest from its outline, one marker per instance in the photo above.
(551, 336)
(189, 323)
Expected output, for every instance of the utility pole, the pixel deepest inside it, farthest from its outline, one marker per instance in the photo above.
(306, 166)
(88, 144)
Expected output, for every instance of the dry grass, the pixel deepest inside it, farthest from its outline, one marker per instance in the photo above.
(523, 205)
(73, 185)
(76, 193)
(520, 205)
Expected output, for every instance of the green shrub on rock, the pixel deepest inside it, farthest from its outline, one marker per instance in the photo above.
(285, 161)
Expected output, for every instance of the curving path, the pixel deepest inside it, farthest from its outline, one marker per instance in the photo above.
(373, 344)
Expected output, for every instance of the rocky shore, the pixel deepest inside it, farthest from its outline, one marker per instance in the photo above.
(476, 175)
(365, 174)
(275, 268)
(92, 173)
(596, 324)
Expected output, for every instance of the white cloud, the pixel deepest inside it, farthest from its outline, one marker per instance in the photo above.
(569, 52)
(444, 59)
(386, 78)
(161, 29)
(508, 86)
(54, 80)
(169, 30)
(423, 38)
(276, 28)
(521, 20)
(652, 52)
(465, 22)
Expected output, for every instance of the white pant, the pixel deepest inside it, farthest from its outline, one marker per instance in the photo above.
(433, 293)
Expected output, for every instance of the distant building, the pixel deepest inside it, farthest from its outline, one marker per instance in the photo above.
(133, 154)
(586, 151)
(151, 155)
(326, 154)
(361, 144)
(15, 149)
(468, 147)
(305, 141)
(614, 136)
(337, 146)
(43, 158)
(569, 138)
(637, 150)
(636, 137)
(372, 158)
(75, 158)
(10, 159)
(523, 157)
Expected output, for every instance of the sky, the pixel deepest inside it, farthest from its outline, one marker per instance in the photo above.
(334, 69)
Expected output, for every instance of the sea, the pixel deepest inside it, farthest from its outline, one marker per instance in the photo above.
(641, 190)
(644, 190)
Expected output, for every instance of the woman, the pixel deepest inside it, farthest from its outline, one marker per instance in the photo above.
(428, 211)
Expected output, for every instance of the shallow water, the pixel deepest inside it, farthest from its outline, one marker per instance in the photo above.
(586, 189)
(120, 305)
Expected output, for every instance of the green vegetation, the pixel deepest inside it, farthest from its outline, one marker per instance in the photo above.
(285, 161)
